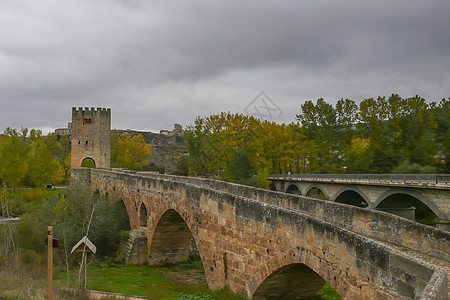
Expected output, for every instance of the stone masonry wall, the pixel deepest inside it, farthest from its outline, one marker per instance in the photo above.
(372, 224)
(254, 236)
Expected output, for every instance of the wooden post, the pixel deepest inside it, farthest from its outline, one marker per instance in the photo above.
(49, 262)
(83, 269)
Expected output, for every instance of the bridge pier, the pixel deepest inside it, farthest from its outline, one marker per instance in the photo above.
(443, 225)
(135, 252)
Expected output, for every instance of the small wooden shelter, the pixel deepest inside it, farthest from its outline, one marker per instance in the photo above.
(79, 247)
(84, 246)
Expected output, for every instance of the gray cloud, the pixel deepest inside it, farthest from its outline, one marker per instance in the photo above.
(157, 63)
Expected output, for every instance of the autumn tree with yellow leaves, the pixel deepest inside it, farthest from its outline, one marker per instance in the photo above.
(216, 142)
(129, 152)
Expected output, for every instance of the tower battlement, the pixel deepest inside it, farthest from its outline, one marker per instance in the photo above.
(84, 110)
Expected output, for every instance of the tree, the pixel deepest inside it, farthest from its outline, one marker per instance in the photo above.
(442, 134)
(129, 152)
(346, 114)
(240, 168)
(418, 140)
(14, 155)
(358, 157)
(42, 168)
(320, 125)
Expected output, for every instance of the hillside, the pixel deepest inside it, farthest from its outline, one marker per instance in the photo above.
(169, 153)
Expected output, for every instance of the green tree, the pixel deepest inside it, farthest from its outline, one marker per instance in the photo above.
(418, 127)
(358, 157)
(42, 168)
(406, 167)
(346, 114)
(320, 125)
(129, 152)
(14, 153)
(442, 134)
(240, 168)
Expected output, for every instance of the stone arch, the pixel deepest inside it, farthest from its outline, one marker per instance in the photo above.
(296, 270)
(293, 189)
(130, 208)
(290, 282)
(170, 242)
(143, 216)
(88, 162)
(356, 190)
(413, 194)
(316, 186)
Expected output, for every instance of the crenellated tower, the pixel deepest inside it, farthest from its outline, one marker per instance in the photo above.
(90, 136)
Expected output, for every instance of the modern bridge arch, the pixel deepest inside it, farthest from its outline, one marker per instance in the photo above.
(88, 162)
(316, 186)
(413, 194)
(293, 188)
(291, 281)
(170, 241)
(351, 190)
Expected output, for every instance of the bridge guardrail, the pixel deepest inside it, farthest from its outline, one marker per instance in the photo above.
(391, 178)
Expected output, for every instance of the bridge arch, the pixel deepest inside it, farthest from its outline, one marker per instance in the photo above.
(350, 190)
(413, 194)
(298, 271)
(293, 188)
(290, 282)
(170, 241)
(143, 216)
(88, 162)
(318, 187)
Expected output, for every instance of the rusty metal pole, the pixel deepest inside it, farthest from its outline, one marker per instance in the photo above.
(49, 262)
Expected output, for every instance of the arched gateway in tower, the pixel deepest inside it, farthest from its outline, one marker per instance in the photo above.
(90, 136)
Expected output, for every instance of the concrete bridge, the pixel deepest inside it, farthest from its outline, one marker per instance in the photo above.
(257, 241)
(374, 190)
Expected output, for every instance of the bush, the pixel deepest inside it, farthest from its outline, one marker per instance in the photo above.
(406, 167)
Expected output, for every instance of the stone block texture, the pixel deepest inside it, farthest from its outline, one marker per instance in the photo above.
(249, 238)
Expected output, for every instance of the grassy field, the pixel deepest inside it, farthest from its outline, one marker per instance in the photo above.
(178, 281)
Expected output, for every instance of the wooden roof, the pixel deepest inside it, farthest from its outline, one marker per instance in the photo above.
(89, 245)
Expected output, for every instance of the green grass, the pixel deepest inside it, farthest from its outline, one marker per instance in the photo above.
(327, 292)
(177, 281)
(168, 282)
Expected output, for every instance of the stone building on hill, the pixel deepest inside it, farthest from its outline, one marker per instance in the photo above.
(64, 131)
(177, 130)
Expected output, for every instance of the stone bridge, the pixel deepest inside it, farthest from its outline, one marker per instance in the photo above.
(371, 190)
(255, 241)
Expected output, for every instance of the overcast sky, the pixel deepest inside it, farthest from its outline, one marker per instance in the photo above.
(155, 63)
